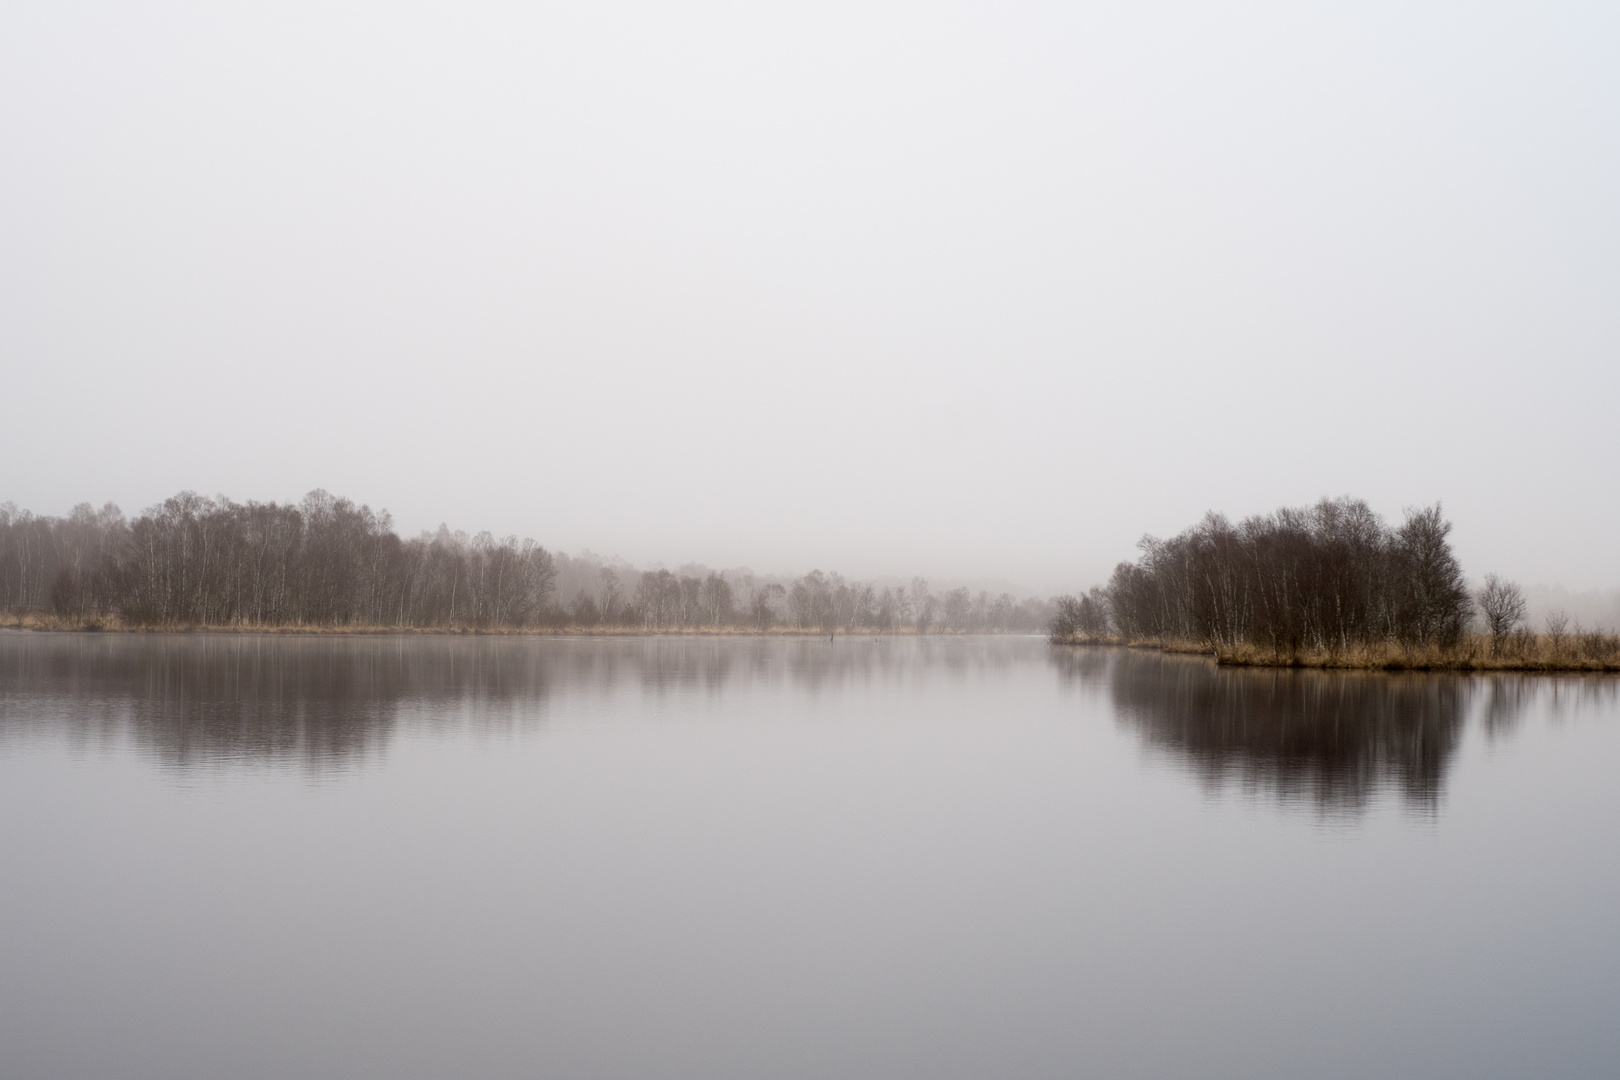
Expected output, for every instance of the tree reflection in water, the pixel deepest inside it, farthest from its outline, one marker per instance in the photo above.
(1333, 738)
(327, 702)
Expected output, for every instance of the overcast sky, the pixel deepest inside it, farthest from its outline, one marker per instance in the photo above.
(943, 288)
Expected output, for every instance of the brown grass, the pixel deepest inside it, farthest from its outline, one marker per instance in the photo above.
(62, 624)
(1594, 651)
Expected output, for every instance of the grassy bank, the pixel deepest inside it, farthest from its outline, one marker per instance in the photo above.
(61, 624)
(1590, 651)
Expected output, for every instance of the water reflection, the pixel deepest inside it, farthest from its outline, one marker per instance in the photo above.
(1332, 739)
(1335, 738)
(1507, 697)
(193, 700)
(327, 702)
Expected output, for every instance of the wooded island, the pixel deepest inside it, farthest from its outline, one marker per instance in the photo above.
(1331, 585)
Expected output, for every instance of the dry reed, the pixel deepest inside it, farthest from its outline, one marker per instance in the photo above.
(48, 623)
(1583, 650)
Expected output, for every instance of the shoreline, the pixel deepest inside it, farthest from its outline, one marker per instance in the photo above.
(1585, 653)
(52, 624)
(1589, 653)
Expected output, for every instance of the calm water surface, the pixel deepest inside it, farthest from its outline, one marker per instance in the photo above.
(445, 857)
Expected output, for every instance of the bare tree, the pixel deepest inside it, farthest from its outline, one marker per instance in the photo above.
(658, 599)
(584, 610)
(610, 596)
(862, 606)
(1501, 603)
(922, 605)
(764, 604)
(689, 610)
(1092, 615)
(717, 600)
(1557, 631)
(1065, 622)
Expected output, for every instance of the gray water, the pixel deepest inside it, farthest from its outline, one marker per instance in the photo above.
(474, 857)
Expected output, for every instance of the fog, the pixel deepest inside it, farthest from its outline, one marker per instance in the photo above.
(956, 290)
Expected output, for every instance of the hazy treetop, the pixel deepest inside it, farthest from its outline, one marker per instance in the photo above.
(967, 289)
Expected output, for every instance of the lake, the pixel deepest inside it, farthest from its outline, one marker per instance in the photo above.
(280, 856)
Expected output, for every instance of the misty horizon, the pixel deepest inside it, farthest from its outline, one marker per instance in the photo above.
(986, 291)
(80, 540)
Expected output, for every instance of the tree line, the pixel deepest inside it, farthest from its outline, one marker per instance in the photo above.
(818, 602)
(326, 562)
(1324, 577)
(213, 562)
